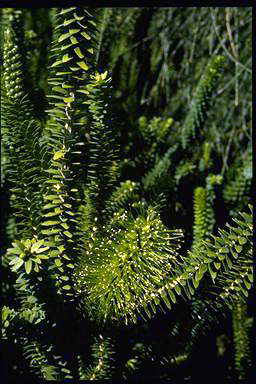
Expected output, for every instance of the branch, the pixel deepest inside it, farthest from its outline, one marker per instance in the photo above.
(223, 44)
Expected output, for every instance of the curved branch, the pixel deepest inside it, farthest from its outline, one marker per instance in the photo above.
(223, 44)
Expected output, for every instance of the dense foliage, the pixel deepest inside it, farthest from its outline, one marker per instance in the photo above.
(126, 176)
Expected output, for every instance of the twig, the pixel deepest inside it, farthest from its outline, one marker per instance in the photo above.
(225, 160)
(234, 50)
(232, 80)
(223, 44)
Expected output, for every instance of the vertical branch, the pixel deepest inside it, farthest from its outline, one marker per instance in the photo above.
(234, 47)
(203, 209)
(241, 339)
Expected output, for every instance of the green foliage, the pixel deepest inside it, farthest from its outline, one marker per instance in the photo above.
(239, 185)
(57, 218)
(230, 253)
(24, 156)
(73, 48)
(155, 129)
(28, 253)
(159, 170)
(241, 325)
(203, 208)
(102, 354)
(123, 194)
(99, 190)
(200, 214)
(129, 263)
(200, 103)
(41, 364)
(101, 145)
(183, 169)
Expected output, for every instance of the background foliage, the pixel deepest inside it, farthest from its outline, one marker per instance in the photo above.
(102, 175)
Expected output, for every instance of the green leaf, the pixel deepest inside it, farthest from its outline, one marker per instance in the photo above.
(79, 53)
(244, 291)
(65, 370)
(64, 225)
(153, 307)
(67, 35)
(191, 290)
(53, 253)
(47, 206)
(242, 240)
(196, 283)
(50, 231)
(42, 256)
(84, 34)
(54, 171)
(166, 300)
(68, 234)
(36, 245)
(57, 201)
(198, 276)
(202, 269)
(51, 197)
(67, 205)
(212, 273)
(66, 58)
(14, 261)
(156, 299)
(238, 248)
(27, 243)
(65, 85)
(58, 89)
(67, 22)
(65, 278)
(73, 31)
(17, 265)
(68, 99)
(47, 223)
(248, 285)
(66, 10)
(177, 289)
(224, 250)
(172, 296)
(146, 310)
(14, 251)
(59, 154)
(83, 65)
(67, 287)
(217, 265)
(50, 214)
(56, 63)
(229, 262)
(53, 181)
(73, 40)
(84, 91)
(28, 266)
(58, 210)
(183, 281)
(58, 262)
(66, 257)
(40, 250)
